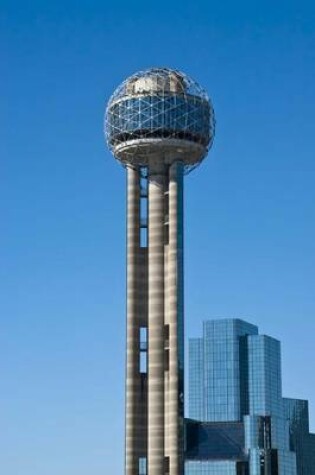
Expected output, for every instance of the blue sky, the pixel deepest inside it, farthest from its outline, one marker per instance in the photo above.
(249, 209)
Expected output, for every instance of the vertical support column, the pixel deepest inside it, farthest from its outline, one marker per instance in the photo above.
(176, 322)
(156, 322)
(132, 357)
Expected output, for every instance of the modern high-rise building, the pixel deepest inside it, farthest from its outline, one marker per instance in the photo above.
(160, 125)
(239, 423)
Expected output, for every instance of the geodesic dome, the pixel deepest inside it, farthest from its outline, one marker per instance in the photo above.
(160, 113)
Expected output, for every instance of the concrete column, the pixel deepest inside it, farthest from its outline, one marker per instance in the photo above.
(132, 358)
(175, 318)
(156, 322)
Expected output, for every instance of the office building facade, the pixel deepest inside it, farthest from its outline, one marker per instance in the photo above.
(239, 423)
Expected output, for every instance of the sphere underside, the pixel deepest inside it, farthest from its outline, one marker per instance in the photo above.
(154, 150)
(159, 115)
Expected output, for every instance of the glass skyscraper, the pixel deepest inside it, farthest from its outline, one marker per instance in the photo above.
(239, 423)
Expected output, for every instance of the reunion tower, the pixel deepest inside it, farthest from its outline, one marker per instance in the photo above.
(159, 125)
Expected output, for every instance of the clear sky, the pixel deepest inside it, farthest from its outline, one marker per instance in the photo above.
(249, 209)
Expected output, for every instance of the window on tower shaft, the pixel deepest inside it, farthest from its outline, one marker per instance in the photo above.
(143, 353)
(143, 209)
(142, 466)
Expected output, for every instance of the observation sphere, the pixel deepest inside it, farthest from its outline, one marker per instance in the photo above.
(159, 115)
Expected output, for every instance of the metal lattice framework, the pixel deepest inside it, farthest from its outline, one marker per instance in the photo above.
(160, 113)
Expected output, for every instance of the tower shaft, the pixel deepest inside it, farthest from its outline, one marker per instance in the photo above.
(136, 381)
(154, 393)
(156, 312)
(175, 317)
